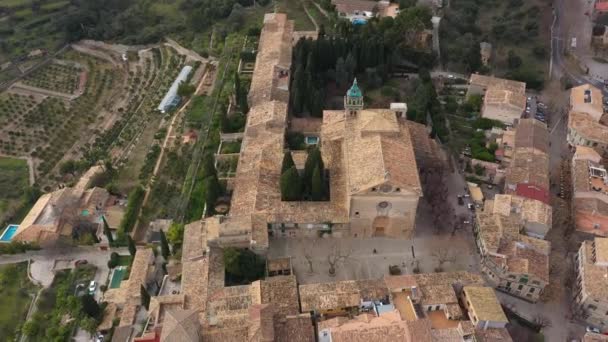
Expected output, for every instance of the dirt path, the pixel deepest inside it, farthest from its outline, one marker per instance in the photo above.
(183, 51)
(314, 22)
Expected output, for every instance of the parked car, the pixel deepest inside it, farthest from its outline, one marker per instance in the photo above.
(92, 287)
(471, 207)
(81, 262)
(460, 201)
(593, 330)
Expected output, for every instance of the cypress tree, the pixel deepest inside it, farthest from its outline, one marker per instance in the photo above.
(145, 297)
(287, 162)
(131, 243)
(299, 89)
(90, 306)
(317, 191)
(208, 166)
(164, 245)
(291, 185)
(213, 190)
(106, 230)
(237, 85)
(312, 160)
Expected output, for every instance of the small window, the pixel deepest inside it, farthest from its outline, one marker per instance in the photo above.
(437, 307)
(520, 287)
(531, 290)
(398, 190)
(356, 213)
(374, 189)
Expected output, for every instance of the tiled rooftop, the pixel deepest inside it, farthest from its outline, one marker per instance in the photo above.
(499, 83)
(593, 101)
(340, 294)
(529, 210)
(528, 166)
(531, 133)
(485, 304)
(594, 279)
(498, 97)
(586, 127)
(523, 254)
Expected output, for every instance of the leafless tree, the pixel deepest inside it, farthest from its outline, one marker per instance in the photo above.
(416, 266)
(542, 321)
(443, 256)
(308, 256)
(435, 192)
(335, 257)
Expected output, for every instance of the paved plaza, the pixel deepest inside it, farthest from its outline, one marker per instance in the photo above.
(361, 262)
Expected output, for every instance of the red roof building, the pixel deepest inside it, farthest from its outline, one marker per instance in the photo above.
(532, 191)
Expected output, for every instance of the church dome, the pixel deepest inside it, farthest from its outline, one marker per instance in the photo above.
(354, 90)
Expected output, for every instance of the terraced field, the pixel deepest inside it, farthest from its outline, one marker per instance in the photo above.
(55, 77)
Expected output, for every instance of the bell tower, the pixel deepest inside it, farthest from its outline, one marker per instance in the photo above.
(353, 101)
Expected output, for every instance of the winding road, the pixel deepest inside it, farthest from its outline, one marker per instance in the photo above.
(558, 67)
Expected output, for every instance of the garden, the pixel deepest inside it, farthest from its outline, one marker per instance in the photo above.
(62, 78)
(60, 310)
(13, 184)
(16, 294)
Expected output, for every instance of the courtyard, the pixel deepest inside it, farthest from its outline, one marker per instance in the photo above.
(357, 258)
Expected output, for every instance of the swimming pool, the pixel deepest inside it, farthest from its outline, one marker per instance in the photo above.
(311, 140)
(9, 232)
(117, 276)
(85, 212)
(359, 21)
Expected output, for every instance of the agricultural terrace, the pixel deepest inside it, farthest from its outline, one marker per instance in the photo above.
(16, 294)
(64, 78)
(13, 184)
(174, 192)
(46, 127)
(138, 144)
(25, 27)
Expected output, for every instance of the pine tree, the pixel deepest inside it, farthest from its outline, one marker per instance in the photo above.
(316, 190)
(131, 244)
(288, 162)
(145, 297)
(164, 245)
(291, 185)
(106, 230)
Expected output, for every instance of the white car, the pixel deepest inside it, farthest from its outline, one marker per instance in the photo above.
(593, 330)
(92, 287)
